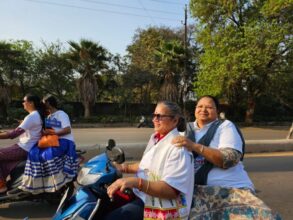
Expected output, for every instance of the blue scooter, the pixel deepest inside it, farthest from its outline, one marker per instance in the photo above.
(90, 200)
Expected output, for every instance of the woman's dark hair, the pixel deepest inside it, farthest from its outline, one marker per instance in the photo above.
(37, 103)
(215, 100)
(51, 100)
(34, 99)
(176, 111)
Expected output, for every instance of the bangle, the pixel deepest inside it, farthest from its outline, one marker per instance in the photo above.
(201, 149)
(125, 168)
(139, 184)
(147, 188)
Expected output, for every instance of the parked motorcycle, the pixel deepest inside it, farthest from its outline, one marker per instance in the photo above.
(89, 200)
(15, 181)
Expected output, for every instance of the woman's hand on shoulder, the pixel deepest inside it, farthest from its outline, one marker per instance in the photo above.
(181, 141)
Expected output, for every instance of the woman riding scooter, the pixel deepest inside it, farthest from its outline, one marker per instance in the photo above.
(49, 169)
(29, 132)
(164, 177)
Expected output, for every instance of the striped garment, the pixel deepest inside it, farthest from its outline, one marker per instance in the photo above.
(48, 169)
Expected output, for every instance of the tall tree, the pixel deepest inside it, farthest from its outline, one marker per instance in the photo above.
(170, 65)
(88, 59)
(7, 61)
(142, 60)
(111, 83)
(55, 72)
(244, 48)
(4, 88)
(17, 66)
(22, 71)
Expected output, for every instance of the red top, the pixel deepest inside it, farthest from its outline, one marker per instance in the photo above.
(158, 137)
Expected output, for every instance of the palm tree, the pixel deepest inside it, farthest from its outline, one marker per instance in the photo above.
(88, 59)
(170, 61)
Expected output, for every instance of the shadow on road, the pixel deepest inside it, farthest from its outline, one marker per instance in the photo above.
(264, 164)
(20, 210)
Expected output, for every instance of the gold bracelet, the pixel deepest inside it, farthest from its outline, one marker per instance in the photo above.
(201, 149)
(147, 188)
(125, 168)
(140, 184)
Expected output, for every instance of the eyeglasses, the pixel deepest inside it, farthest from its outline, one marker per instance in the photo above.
(201, 107)
(160, 117)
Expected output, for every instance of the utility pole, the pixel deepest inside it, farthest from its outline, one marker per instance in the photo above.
(185, 59)
(185, 29)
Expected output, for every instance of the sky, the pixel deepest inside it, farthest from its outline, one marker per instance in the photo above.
(112, 23)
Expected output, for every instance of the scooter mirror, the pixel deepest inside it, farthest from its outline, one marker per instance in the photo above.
(116, 155)
(111, 144)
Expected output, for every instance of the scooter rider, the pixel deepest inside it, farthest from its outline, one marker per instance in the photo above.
(29, 132)
(49, 169)
(164, 176)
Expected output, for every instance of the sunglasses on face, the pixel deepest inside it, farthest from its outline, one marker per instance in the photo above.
(160, 117)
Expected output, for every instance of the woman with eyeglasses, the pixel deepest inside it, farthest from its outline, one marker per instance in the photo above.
(223, 189)
(163, 179)
(28, 131)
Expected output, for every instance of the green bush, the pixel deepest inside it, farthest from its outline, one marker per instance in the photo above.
(107, 119)
(69, 109)
(15, 115)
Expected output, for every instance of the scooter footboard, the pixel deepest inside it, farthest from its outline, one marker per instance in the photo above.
(82, 205)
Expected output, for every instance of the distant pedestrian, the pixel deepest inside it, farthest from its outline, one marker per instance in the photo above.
(290, 131)
(142, 122)
(222, 115)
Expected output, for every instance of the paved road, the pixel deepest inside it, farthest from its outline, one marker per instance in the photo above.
(272, 175)
(92, 136)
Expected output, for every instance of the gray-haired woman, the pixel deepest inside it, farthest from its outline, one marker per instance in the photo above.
(164, 177)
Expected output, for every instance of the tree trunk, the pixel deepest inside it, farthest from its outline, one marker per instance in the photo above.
(3, 110)
(87, 110)
(4, 101)
(250, 111)
(169, 90)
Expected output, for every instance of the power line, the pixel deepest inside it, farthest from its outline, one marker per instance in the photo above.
(131, 7)
(146, 11)
(97, 10)
(166, 2)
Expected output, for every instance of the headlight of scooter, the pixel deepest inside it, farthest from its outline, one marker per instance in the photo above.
(86, 178)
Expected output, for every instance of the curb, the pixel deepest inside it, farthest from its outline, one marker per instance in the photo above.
(261, 146)
(134, 151)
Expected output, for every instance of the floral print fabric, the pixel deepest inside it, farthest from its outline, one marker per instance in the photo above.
(218, 203)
